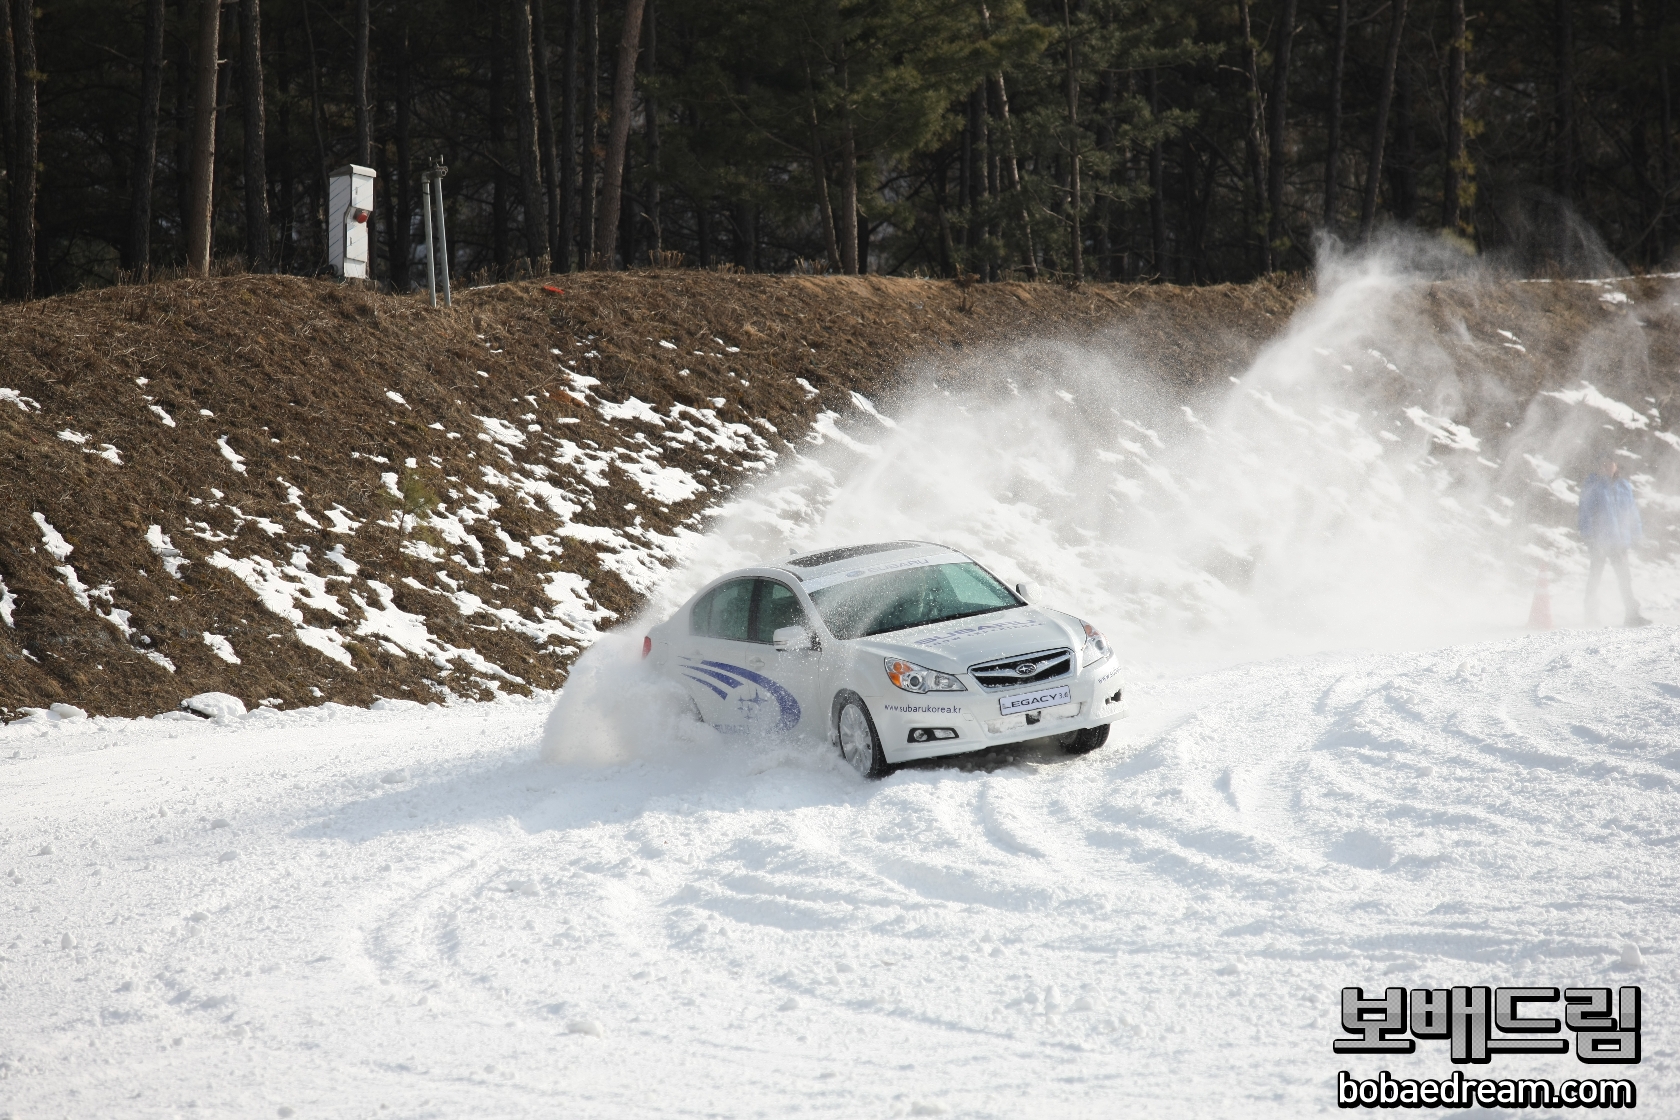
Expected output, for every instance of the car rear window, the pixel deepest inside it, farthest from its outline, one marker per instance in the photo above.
(913, 597)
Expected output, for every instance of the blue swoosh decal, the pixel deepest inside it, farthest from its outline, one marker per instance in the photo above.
(785, 702)
(716, 676)
(722, 695)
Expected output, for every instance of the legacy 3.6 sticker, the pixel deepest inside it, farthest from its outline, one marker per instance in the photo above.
(1032, 701)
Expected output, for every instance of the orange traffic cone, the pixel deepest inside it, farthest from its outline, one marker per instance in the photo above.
(1540, 613)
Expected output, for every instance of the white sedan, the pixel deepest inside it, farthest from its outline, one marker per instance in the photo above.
(889, 652)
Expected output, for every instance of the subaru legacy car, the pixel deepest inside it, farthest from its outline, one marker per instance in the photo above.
(888, 653)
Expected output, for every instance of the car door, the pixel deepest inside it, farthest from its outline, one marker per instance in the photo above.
(795, 672)
(717, 630)
(740, 682)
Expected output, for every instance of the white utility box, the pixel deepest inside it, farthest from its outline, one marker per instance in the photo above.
(349, 217)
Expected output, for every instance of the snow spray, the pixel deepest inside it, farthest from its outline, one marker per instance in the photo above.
(1366, 482)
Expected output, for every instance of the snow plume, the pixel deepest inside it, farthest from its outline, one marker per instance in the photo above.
(1368, 480)
(613, 709)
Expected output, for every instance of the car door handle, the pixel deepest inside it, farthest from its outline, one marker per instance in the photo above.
(755, 662)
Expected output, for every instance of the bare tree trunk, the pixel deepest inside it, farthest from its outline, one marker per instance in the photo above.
(591, 123)
(1665, 223)
(545, 127)
(974, 175)
(359, 91)
(1455, 166)
(618, 132)
(499, 254)
(285, 216)
(1075, 203)
(1564, 168)
(26, 143)
(530, 182)
(1157, 185)
(1333, 141)
(650, 108)
(568, 144)
(137, 246)
(819, 171)
(1252, 140)
(819, 168)
(1013, 168)
(1278, 120)
(256, 155)
(183, 114)
(1379, 129)
(848, 231)
(402, 236)
(12, 79)
(1403, 173)
(317, 118)
(204, 138)
(994, 180)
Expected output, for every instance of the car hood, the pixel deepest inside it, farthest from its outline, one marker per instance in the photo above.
(954, 646)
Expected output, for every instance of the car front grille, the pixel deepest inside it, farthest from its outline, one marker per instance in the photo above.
(1024, 668)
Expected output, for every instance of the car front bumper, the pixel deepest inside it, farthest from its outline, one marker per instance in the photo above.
(980, 718)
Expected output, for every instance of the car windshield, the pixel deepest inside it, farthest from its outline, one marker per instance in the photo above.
(912, 597)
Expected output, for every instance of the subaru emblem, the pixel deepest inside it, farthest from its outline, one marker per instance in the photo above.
(1025, 669)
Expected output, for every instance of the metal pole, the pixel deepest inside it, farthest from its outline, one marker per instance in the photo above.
(426, 208)
(443, 234)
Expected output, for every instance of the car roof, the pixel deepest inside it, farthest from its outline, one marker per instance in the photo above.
(812, 567)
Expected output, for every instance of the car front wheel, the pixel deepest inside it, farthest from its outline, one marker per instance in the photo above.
(854, 731)
(1088, 740)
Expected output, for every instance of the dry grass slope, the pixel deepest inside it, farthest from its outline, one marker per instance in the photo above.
(283, 432)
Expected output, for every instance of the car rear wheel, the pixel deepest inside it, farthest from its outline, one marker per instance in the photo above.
(855, 734)
(1088, 740)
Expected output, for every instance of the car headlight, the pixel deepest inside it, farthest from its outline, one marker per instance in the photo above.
(1096, 646)
(913, 678)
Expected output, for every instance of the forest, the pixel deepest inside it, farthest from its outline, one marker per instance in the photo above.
(1187, 141)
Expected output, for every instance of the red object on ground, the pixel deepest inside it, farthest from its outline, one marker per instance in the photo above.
(552, 288)
(1540, 614)
(647, 645)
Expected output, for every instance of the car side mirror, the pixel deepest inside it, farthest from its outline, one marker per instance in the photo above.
(793, 638)
(1026, 590)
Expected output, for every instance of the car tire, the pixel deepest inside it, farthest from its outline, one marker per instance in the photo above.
(1088, 740)
(856, 737)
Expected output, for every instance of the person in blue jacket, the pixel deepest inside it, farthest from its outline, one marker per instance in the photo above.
(1609, 524)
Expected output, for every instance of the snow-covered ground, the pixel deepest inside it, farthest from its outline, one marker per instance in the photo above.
(1345, 766)
(337, 912)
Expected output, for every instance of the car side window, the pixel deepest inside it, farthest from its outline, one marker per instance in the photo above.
(778, 606)
(724, 611)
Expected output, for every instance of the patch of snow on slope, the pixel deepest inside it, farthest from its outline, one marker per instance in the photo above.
(826, 428)
(8, 602)
(501, 431)
(408, 634)
(24, 404)
(161, 547)
(57, 547)
(666, 485)
(864, 404)
(1587, 394)
(1444, 431)
(283, 590)
(234, 458)
(221, 647)
(631, 409)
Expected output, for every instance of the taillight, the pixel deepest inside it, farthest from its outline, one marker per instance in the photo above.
(647, 645)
